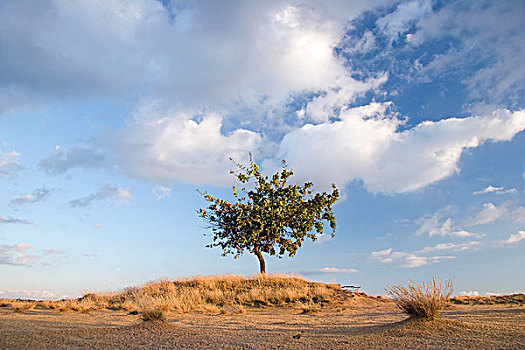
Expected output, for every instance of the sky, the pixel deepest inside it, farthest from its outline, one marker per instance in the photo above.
(113, 113)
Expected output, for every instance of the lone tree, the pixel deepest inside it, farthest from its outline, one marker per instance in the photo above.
(274, 217)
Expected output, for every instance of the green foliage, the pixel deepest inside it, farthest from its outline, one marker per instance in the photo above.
(274, 217)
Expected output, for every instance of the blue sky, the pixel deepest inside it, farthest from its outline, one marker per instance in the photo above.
(113, 112)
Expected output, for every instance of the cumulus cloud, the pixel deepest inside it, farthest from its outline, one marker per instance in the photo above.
(470, 293)
(16, 254)
(195, 58)
(60, 161)
(161, 192)
(496, 190)
(438, 225)
(12, 220)
(119, 194)
(366, 144)
(288, 50)
(37, 195)
(329, 270)
(515, 237)
(165, 145)
(9, 163)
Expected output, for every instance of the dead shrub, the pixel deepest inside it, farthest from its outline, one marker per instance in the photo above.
(154, 308)
(24, 305)
(422, 299)
(309, 307)
(153, 315)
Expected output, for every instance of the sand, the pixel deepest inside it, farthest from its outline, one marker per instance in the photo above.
(366, 324)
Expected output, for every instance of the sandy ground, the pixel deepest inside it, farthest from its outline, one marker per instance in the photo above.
(371, 325)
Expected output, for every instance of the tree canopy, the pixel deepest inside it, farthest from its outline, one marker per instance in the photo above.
(273, 217)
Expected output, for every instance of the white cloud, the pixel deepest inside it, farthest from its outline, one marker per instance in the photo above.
(323, 238)
(37, 195)
(515, 237)
(492, 213)
(195, 63)
(9, 163)
(366, 144)
(437, 225)
(420, 257)
(119, 194)
(342, 93)
(161, 192)
(470, 293)
(495, 38)
(450, 246)
(405, 259)
(162, 146)
(488, 214)
(194, 53)
(496, 190)
(16, 254)
(330, 270)
(399, 21)
(36, 294)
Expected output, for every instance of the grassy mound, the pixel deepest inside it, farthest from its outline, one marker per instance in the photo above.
(208, 294)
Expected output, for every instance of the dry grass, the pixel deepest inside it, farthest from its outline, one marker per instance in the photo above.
(23, 305)
(514, 299)
(223, 294)
(422, 299)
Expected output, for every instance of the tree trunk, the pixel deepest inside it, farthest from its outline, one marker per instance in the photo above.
(262, 264)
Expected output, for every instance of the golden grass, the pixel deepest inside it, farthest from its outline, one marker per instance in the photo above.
(207, 294)
(517, 299)
(23, 305)
(422, 299)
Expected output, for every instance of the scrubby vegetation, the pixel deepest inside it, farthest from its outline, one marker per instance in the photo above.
(421, 299)
(516, 299)
(211, 295)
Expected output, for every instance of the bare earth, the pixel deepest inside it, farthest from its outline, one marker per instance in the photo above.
(363, 324)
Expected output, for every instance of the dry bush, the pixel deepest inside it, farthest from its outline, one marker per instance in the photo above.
(5, 303)
(211, 309)
(154, 308)
(153, 315)
(309, 307)
(24, 305)
(422, 299)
